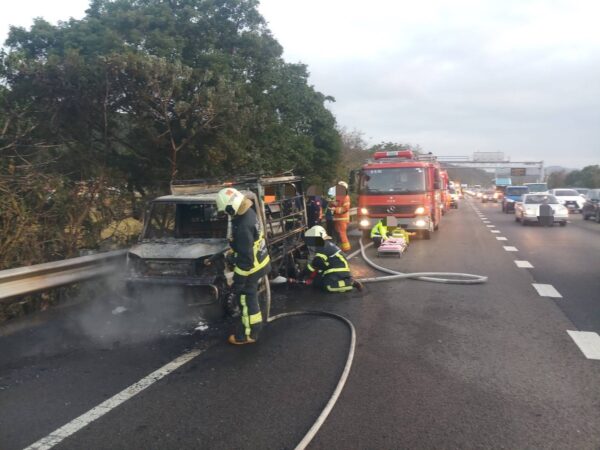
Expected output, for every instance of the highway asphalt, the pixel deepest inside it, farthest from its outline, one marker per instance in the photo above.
(436, 365)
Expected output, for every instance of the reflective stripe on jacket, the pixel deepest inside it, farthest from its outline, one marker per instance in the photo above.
(342, 208)
(379, 230)
(248, 244)
(330, 261)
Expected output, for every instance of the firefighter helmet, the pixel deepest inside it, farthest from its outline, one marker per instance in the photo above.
(317, 231)
(229, 200)
(344, 184)
(315, 236)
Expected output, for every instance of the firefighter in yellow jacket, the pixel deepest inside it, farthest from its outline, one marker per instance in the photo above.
(341, 214)
(251, 262)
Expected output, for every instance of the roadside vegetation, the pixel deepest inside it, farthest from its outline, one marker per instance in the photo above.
(588, 177)
(98, 114)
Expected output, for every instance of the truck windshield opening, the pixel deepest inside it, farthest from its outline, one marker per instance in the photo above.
(402, 180)
(181, 221)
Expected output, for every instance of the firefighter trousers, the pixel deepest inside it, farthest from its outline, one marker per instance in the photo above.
(341, 227)
(245, 289)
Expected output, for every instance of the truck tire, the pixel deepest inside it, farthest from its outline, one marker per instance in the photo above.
(598, 216)
(424, 234)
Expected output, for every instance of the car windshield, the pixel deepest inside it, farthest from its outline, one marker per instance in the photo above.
(185, 220)
(537, 187)
(517, 190)
(566, 193)
(538, 199)
(402, 180)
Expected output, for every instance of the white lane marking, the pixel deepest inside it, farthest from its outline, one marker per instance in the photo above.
(510, 248)
(495, 231)
(546, 290)
(95, 413)
(501, 238)
(588, 342)
(354, 253)
(491, 226)
(524, 264)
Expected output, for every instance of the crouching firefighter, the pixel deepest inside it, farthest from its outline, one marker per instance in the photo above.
(328, 268)
(379, 233)
(251, 262)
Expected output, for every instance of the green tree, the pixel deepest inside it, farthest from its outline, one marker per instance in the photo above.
(141, 91)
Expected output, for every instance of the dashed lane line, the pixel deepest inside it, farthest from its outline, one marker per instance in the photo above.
(85, 419)
(501, 238)
(588, 342)
(510, 248)
(524, 264)
(546, 290)
(495, 231)
(491, 226)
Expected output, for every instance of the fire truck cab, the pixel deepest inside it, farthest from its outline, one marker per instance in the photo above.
(404, 185)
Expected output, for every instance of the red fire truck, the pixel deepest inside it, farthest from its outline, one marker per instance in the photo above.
(404, 185)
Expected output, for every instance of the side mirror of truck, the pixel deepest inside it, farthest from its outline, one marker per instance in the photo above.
(352, 180)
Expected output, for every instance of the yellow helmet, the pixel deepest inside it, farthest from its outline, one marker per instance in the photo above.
(229, 200)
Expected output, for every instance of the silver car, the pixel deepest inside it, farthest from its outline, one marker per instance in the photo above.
(528, 210)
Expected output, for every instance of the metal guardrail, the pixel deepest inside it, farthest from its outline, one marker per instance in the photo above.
(40, 277)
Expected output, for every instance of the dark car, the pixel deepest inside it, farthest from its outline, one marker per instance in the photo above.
(591, 207)
(488, 196)
(512, 195)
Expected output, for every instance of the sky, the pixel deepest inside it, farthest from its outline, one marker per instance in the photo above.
(453, 76)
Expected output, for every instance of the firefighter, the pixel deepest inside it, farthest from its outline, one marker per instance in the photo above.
(379, 233)
(341, 216)
(388, 228)
(251, 262)
(329, 207)
(314, 207)
(328, 268)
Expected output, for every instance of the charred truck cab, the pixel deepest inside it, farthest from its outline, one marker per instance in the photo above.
(184, 229)
(402, 185)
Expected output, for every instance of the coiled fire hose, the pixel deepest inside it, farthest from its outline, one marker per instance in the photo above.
(434, 277)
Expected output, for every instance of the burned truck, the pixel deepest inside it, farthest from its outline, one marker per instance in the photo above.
(184, 229)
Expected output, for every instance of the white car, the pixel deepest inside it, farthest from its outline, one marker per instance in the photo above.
(528, 210)
(569, 198)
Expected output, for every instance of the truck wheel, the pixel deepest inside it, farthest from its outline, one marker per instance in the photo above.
(264, 297)
(563, 224)
(424, 234)
(598, 216)
(524, 222)
(366, 235)
(585, 216)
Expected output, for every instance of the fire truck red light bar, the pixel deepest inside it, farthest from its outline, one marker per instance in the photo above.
(406, 154)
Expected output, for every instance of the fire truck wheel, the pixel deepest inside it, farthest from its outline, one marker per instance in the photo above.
(366, 235)
(424, 234)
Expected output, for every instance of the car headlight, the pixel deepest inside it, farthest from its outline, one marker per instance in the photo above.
(420, 223)
(365, 223)
(364, 211)
(420, 210)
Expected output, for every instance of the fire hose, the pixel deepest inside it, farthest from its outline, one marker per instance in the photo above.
(435, 277)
